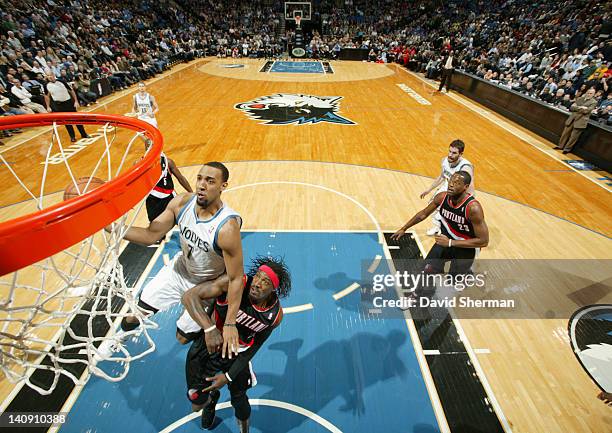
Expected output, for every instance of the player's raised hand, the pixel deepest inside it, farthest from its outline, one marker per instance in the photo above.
(398, 234)
(424, 194)
(230, 341)
(214, 341)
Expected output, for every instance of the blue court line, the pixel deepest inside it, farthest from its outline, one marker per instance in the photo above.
(361, 375)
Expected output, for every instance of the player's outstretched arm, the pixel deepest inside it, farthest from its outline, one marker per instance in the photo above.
(192, 299)
(436, 183)
(420, 216)
(231, 244)
(179, 176)
(161, 225)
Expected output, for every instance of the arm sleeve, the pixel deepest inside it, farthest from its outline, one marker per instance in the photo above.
(244, 357)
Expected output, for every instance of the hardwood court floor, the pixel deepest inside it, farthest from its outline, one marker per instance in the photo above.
(535, 206)
(393, 131)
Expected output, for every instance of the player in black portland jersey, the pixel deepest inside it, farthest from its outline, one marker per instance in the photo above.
(163, 192)
(463, 227)
(456, 223)
(259, 314)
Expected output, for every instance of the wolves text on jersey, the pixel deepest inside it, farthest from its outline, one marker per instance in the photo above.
(191, 237)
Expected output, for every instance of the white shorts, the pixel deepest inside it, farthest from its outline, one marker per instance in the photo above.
(150, 120)
(166, 290)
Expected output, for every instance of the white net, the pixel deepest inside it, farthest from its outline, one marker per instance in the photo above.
(55, 314)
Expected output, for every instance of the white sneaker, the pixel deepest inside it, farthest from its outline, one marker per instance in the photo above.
(433, 231)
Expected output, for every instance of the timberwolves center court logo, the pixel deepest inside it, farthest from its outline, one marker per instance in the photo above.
(286, 108)
(590, 332)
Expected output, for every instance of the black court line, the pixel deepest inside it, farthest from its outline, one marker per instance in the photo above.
(134, 259)
(267, 66)
(463, 397)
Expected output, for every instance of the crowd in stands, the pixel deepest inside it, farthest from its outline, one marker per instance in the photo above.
(240, 28)
(548, 49)
(552, 50)
(83, 41)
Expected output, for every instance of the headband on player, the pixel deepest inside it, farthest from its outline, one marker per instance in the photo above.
(271, 274)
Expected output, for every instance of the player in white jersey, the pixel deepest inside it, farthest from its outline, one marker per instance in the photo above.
(451, 164)
(210, 247)
(145, 105)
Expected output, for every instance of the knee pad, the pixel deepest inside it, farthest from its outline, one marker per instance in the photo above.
(127, 326)
(242, 407)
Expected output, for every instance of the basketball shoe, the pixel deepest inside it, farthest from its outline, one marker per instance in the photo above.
(208, 411)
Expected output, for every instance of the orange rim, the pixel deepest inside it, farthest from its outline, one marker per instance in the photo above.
(30, 238)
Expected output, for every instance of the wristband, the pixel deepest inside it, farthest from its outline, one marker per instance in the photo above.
(227, 377)
(450, 243)
(207, 330)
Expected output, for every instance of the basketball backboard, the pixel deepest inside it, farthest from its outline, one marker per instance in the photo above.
(293, 9)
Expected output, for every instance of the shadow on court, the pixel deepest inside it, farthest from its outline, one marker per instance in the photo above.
(150, 392)
(337, 368)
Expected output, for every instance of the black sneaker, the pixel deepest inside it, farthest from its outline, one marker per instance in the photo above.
(208, 411)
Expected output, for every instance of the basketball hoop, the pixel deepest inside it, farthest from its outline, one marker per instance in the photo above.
(56, 262)
(298, 20)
